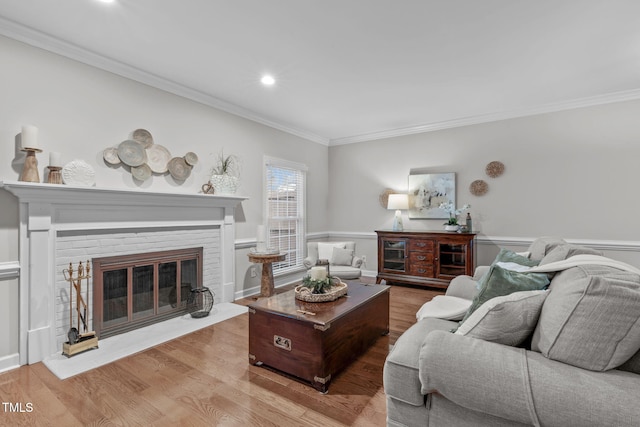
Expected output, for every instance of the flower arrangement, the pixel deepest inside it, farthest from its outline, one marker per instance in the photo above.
(318, 286)
(453, 212)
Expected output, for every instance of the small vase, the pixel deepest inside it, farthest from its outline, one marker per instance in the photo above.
(451, 227)
(224, 184)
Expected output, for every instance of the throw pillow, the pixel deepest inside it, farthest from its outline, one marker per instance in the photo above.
(325, 249)
(508, 319)
(506, 255)
(591, 318)
(341, 256)
(498, 282)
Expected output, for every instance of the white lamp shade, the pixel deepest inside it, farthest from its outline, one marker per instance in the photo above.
(398, 201)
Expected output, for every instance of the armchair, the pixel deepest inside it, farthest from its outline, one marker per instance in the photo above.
(341, 255)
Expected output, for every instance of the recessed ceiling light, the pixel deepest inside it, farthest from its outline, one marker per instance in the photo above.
(268, 80)
(106, 1)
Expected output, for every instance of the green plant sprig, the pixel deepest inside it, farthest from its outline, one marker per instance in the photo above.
(318, 286)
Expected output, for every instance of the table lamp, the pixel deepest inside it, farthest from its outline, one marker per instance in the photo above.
(398, 202)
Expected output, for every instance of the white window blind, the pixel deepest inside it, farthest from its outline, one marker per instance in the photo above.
(285, 211)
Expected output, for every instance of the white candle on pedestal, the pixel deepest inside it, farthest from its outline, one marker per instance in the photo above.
(318, 273)
(55, 159)
(29, 137)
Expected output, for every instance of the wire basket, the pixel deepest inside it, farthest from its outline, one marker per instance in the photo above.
(200, 302)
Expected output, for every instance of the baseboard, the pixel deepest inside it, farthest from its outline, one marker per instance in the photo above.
(9, 362)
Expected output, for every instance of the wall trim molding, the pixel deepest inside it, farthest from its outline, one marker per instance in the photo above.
(9, 270)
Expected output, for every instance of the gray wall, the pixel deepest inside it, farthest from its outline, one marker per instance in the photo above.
(572, 174)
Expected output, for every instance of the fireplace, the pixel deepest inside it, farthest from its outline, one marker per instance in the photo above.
(61, 224)
(132, 291)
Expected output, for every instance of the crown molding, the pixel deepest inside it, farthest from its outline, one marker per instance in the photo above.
(609, 98)
(40, 40)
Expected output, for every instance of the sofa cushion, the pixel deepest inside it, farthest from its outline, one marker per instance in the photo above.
(401, 379)
(591, 318)
(325, 249)
(508, 319)
(341, 256)
(498, 282)
(564, 251)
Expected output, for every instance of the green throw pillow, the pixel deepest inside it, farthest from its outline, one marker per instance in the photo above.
(505, 255)
(498, 282)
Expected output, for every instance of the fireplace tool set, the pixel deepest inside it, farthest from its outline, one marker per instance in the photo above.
(85, 340)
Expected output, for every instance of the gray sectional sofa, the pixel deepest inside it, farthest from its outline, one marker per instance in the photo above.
(565, 356)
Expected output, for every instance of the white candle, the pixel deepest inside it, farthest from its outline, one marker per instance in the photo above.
(261, 245)
(55, 159)
(318, 273)
(29, 137)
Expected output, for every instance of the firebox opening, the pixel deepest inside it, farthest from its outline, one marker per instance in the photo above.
(132, 291)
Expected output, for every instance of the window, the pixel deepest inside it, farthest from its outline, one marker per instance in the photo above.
(285, 211)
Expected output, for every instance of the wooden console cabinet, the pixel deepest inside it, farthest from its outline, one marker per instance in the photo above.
(427, 258)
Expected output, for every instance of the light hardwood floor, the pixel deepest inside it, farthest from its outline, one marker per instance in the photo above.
(204, 379)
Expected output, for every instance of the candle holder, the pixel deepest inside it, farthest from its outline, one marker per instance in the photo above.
(30, 168)
(55, 176)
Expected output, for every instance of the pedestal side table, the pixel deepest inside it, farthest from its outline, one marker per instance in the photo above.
(266, 280)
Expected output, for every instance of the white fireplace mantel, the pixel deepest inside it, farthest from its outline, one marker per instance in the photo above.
(46, 209)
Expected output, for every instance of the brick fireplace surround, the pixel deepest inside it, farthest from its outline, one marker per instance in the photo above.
(61, 224)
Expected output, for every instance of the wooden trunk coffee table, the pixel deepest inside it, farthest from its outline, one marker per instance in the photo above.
(314, 341)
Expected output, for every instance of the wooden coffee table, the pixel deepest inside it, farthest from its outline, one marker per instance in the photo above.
(314, 341)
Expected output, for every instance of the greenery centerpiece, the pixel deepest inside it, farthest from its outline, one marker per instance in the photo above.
(320, 289)
(225, 175)
(452, 222)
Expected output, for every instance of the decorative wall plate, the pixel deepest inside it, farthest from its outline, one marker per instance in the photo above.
(142, 172)
(494, 169)
(157, 158)
(110, 156)
(179, 169)
(144, 137)
(479, 187)
(132, 153)
(191, 158)
(78, 172)
(383, 198)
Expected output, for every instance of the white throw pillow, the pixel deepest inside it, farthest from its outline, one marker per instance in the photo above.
(341, 257)
(507, 319)
(444, 307)
(325, 249)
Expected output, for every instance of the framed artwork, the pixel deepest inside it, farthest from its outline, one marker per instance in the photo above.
(428, 191)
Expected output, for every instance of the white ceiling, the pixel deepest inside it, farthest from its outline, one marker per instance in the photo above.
(353, 70)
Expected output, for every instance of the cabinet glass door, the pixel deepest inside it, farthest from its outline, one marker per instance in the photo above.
(394, 255)
(452, 259)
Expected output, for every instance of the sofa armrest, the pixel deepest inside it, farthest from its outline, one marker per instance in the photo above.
(524, 386)
(462, 287)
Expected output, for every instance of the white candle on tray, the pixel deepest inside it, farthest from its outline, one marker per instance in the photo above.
(29, 137)
(55, 159)
(318, 273)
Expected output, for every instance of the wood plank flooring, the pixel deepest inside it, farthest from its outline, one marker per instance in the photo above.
(204, 379)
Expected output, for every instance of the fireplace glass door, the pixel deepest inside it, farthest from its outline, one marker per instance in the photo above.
(136, 290)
